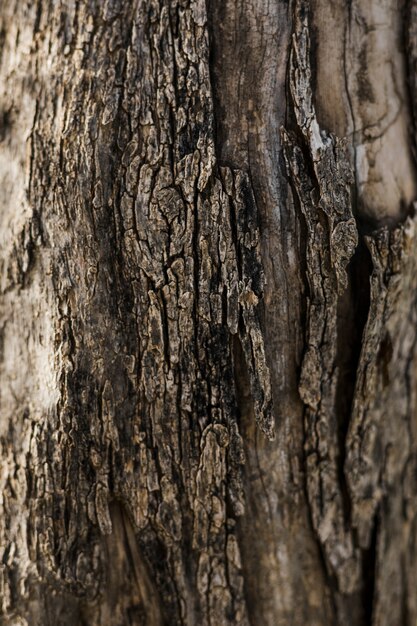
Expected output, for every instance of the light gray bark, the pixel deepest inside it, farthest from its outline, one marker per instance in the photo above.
(208, 257)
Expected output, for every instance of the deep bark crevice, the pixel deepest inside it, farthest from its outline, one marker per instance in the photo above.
(352, 315)
(369, 575)
(245, 421)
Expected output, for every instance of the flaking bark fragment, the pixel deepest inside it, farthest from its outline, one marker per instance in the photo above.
(320, 172)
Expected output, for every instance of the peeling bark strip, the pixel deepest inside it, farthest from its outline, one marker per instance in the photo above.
(332, 237)
(138, 444)
(380, 448)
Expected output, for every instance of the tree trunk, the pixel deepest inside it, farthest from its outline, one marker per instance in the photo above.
(208, 313)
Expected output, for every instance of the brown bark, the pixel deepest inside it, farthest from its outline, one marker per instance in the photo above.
(208, 257)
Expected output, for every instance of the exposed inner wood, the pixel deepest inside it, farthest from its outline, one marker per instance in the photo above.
(361, 93)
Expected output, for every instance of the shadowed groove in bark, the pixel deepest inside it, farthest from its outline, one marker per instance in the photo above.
(246, 427)
(352, 314)
(129, 580)
(369, 575)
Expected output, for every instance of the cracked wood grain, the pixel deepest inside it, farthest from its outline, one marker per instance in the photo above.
(363, 94)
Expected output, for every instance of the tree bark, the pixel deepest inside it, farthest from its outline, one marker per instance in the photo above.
(208, 313)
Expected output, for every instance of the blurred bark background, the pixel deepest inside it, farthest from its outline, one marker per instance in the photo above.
(208, 309)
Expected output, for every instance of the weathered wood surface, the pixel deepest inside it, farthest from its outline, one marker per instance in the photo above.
(208, 309)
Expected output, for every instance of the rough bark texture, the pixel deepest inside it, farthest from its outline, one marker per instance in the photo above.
(208, 313)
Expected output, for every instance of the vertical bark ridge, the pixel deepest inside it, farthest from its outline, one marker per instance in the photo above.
(324, 194)
(250, 42)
